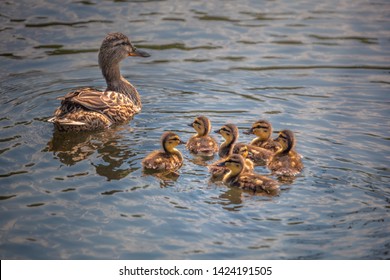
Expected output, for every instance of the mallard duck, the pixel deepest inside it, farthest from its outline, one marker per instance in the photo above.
(91, 109)
(169, 159)
(263, 130)
(286, 161)
(236, 177)
(217, 172)
(202, 143)
(230, 133)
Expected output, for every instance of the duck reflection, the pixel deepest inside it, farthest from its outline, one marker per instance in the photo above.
(111, 156)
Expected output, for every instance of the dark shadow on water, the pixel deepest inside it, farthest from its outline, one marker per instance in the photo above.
(111, 157)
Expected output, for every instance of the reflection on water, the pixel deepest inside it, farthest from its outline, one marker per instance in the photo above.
(319, 69)
(70, 148)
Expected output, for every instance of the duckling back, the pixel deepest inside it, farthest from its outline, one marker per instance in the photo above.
(202, 145)
(160, 161)
(169, 158)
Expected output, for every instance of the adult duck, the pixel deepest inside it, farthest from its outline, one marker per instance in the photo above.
(91, 109)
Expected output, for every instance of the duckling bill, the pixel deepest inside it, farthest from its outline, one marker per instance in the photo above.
(91, 109)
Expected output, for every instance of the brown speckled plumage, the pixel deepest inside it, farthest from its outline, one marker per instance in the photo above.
(237, 177)
(202, 143)
(286, 162)
(169, 159)
(230, 133)
(263, 130)
(218, 172)
(90, 109)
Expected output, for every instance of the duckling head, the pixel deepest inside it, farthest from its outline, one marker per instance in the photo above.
(169, 141)
(286, 139)
(262, 129)
(241, 149)
(229, 132)
(235, 163)
(116, 47)
(202, 125)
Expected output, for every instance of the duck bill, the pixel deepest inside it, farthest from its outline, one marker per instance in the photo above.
(182, 142)
(248, 132)
(221, 164)
(140, 53)
(191, 124)
(217, 131)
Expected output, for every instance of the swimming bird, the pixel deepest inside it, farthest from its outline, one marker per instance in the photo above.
(286, 161)
(91, 109)
(202, 143)
(230, 133)
(263, 131)
(236, 177)
(169, 159)
(218, 172)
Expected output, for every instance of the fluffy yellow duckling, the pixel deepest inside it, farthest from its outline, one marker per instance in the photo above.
(217, 171)
(202, 143)
(169, 159)
(263, 131)
(236, 177)
(91, 109)
(286, 161)
(230, 133)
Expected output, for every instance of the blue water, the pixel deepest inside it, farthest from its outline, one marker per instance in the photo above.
(319, 69)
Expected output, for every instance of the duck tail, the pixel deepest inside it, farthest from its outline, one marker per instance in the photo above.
(64, 121)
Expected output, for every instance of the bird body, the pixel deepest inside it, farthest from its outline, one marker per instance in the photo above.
(202, 143)
(91, 109)
(286, 161)
(169, 159)
(237, 177)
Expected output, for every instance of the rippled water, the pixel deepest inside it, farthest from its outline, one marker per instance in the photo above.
(319, 69)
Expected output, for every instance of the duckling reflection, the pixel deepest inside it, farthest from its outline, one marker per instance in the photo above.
(112, 160)
(202, 143)
(286, 162)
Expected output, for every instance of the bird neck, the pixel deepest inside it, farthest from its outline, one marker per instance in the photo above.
(115, 82)
(226, 147)
(231, 176)
(173, 151)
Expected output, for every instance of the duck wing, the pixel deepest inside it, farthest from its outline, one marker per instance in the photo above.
(96, 100)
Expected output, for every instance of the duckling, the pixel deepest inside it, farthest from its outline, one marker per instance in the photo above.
(263, 130)
(91, 109)
(242, 149)
(217, 172)
(230, 133)
(169, 159)
(286, 161)
(202, 143)
(236, 177)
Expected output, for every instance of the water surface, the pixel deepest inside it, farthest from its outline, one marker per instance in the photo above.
(319, 69)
